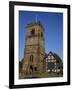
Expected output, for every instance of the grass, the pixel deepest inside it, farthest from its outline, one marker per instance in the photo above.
(40, 75)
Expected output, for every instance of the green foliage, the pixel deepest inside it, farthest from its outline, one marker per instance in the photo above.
(20, 65)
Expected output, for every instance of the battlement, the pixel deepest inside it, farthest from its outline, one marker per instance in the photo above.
(35, 24)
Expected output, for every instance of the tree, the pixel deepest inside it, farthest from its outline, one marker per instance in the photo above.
(20, 64)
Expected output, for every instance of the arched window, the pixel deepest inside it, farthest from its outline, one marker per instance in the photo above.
(31, 58)
(32, 32)
(35, 68)
(41, 34)
(31, 68)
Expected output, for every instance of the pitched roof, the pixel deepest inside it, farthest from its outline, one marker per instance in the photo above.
(56, 56)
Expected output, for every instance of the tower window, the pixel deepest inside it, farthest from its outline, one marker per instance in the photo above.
(31, 68)
(33, 32)
(31, 58)
(41, 34)
(35, 68)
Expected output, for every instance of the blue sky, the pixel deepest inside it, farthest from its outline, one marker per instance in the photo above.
(53, 25)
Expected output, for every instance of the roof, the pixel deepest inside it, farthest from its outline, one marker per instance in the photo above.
(35, 23)
(56, 56)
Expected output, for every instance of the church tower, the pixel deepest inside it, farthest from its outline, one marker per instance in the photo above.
(34, 51)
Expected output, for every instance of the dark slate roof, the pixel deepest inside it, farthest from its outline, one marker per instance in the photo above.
(55, 56)
(35, 23)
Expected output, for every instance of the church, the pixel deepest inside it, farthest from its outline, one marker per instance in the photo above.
(35, 59)
(34, 51)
